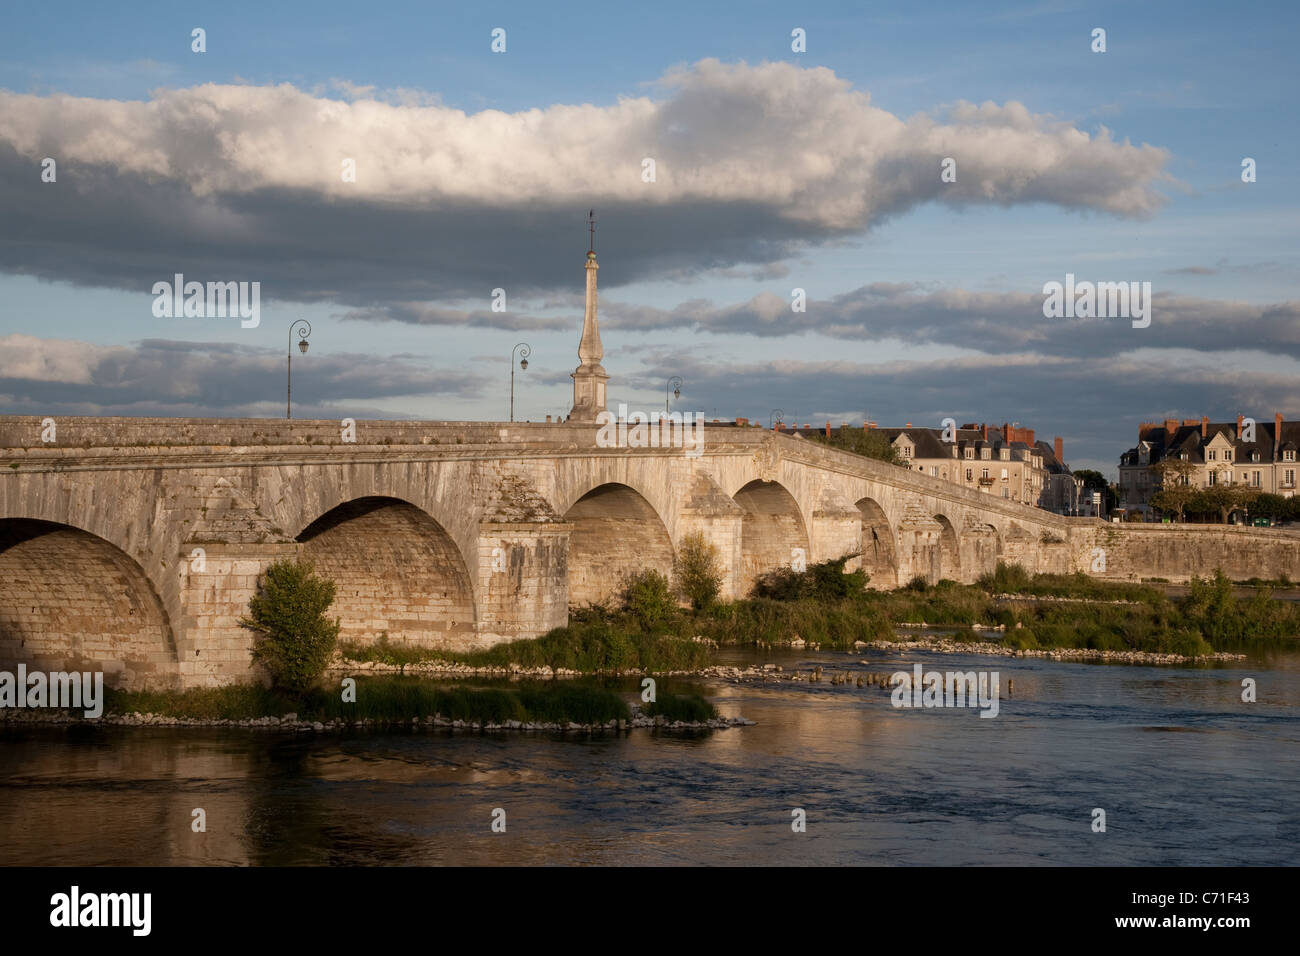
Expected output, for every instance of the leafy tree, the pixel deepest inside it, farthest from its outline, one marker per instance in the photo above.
(648, 597)
(1096, 481)
(867, 442)
(1275, 506)
(1176, 492)
(1173, 500)
(699, 579)
(297, 638)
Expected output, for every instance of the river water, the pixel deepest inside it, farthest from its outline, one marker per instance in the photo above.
(1185, 771)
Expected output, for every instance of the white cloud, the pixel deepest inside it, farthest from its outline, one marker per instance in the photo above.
(801, 141)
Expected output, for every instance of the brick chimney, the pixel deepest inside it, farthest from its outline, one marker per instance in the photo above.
(1058, 447)
(742, 422)
(1240, 419)
(1171, 428)
(984, 432)
(1205, 425)
(1277, 434)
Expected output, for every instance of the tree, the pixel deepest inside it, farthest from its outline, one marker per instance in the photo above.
(867, 442)
(648, 597)
(699, 579)
(1176, 492)
(297, 639)
(1096, 481)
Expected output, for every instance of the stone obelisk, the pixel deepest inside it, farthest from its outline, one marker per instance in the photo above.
(589, 377)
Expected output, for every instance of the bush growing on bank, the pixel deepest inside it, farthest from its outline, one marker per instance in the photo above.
(769, 622)
(297, 639)
(687, 707)
(824, 581)
(1213, 610)
(1014, 579)
(648, 597)
(699, 579)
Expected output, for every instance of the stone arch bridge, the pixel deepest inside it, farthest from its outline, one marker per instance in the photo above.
(134, 544)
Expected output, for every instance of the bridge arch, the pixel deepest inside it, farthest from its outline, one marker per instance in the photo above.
(772, 530)
(616, 533)
(397, 570)
(73, 601)
(947, 551)
(879, 555)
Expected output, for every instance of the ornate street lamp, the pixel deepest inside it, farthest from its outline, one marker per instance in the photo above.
(674, 383)
(302, 329)
(777, 417)
(524, 350)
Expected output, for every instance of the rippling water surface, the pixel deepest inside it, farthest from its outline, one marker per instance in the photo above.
(1186, 772)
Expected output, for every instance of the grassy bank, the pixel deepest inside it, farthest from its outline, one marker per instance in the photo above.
(828, 608)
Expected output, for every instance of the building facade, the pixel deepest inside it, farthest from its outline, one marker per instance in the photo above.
(1217, 452)
(1004, 461)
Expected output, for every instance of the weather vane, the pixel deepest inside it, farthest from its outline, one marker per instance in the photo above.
(591, 227)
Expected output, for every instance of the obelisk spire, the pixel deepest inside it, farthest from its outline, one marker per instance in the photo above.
(589, 378)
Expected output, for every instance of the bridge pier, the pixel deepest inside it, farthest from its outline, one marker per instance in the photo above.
(836, 528)
(710, 511)
(918, 547)
(522, 580)
(216, 583)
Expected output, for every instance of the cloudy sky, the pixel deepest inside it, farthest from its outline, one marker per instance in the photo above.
(774, 170)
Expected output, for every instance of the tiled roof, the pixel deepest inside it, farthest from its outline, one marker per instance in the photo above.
(1187, 439)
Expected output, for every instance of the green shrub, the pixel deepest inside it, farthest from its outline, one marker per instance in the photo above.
(1022, 640)
(691, 708)
(297, 638)
(580, 703)
(1006, 579)
(648, 598)
(824, 581)
(699, 579)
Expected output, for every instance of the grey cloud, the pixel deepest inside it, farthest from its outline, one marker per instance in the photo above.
(47, 376)
(1095, 403)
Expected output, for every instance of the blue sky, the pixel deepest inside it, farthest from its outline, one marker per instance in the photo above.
(1208, 84)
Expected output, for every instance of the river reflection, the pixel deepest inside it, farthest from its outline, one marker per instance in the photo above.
(1186, 772)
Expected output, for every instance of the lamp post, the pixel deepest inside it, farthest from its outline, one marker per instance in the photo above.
(777, 416)
(674, 383)
(524, 350)
(303, 329)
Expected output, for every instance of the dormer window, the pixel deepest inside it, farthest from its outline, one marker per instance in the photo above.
(986, 453)
(1288, 456)
(970, 452)
(1006, 454)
